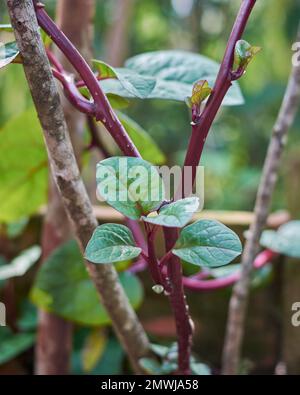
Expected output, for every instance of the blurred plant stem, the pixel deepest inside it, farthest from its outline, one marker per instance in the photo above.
(117, 38)
(239, 299)
(54, 344)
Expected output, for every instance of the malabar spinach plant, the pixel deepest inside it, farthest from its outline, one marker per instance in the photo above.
(168, 75)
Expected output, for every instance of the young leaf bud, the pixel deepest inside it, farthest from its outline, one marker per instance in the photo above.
(201, 90)
(244, 53)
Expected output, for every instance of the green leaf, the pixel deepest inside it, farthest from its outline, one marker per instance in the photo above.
(104, 70)
(15, 229)
(168, 365)
(23, 167)
(134, 83)
(207, 243)
(111, 243)
(130, 185)
(21, 264)
(201, 90)
(159, 350)
(176, 214)
(63, 287)
(11, 345)
(142, 140)
(244, 53)
(175, 73)
(28, 318)
(8, 53)
(117, 102)
(285, 241)
(112, 359)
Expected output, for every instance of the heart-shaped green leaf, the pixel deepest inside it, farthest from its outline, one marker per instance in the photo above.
(63, 287)
(130, 185)
(175, 73)
(207, 243)
(135, 84)
(285, 241)
(176, 214)
(111, 243)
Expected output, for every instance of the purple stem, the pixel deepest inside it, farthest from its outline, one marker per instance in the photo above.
(72, 94)
(193, 156)
(196, 284)
(180, 308)
(222, 84)
(142, 263)
(136, 230)
(54, 61)
(153, 263)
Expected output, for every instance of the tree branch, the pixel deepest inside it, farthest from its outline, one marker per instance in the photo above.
(54, 335)
(239, 299)
(67, 176)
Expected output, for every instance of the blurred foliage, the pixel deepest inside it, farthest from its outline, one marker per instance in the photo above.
(23, 167)
(108, 361)
(67, 290)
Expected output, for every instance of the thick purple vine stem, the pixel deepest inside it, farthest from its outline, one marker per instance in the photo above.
(195, 148)
(221, 87)
(184, 324)
(72, 94)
